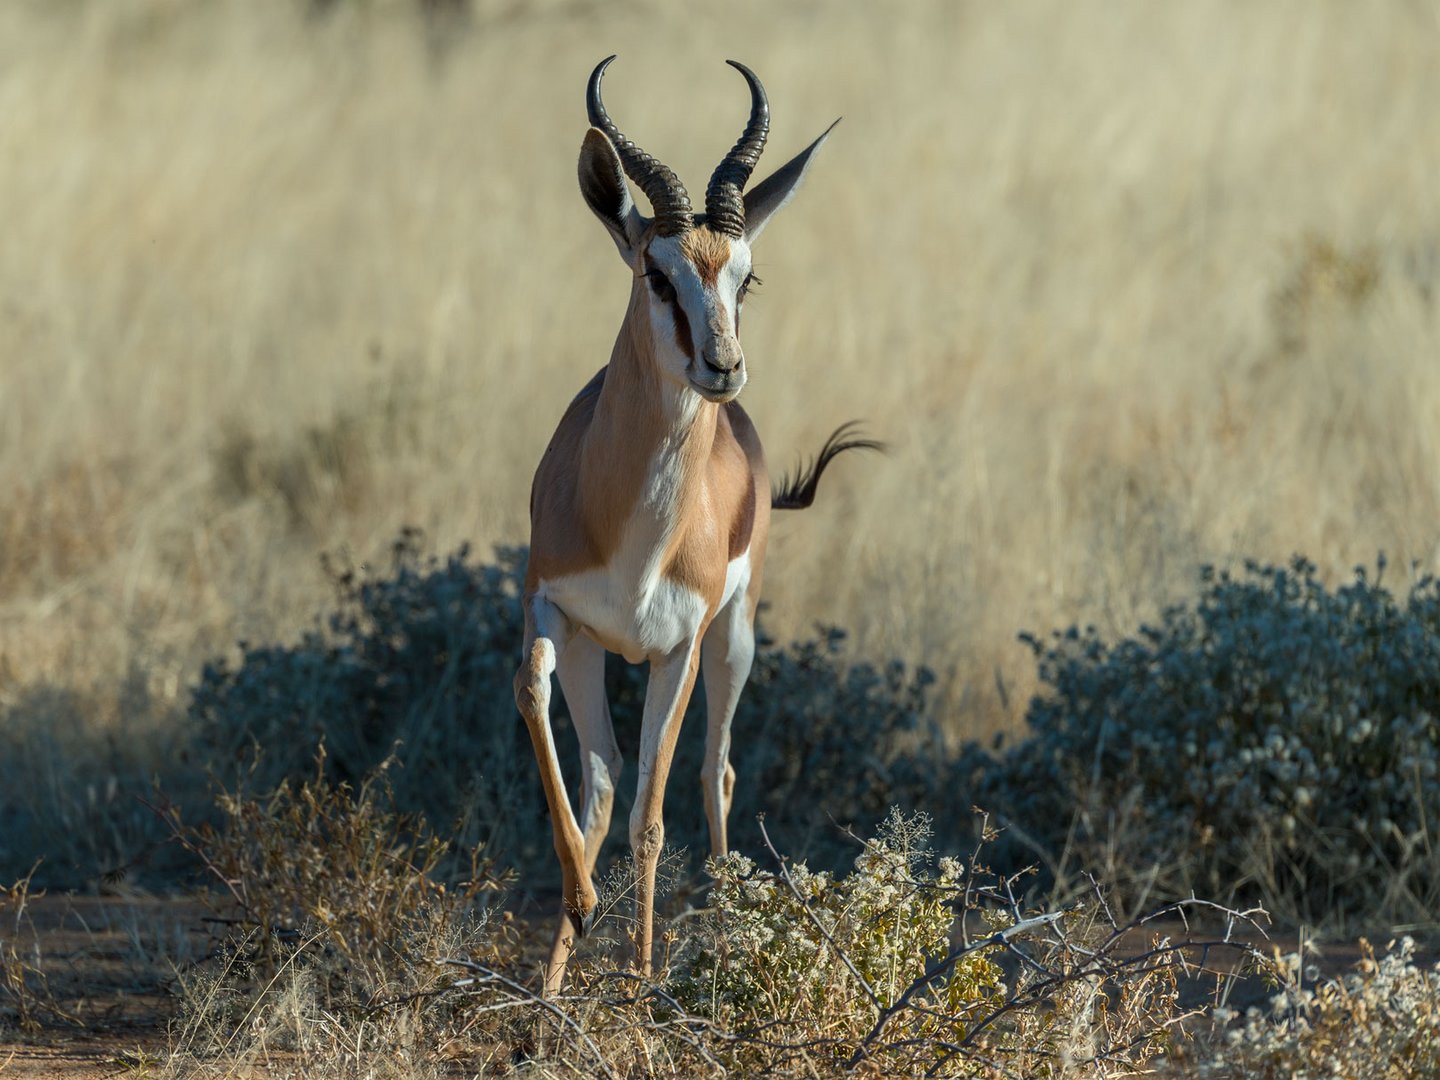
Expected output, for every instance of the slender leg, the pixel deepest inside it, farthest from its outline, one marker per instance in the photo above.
(725, 658)
(672, 679)
(581, 668)
(547, 635)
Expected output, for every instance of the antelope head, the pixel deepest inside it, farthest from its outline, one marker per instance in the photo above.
(691, 270)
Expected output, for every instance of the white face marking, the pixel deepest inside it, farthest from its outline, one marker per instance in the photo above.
(711, 316)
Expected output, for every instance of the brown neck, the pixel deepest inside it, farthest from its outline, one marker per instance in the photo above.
(648, 441)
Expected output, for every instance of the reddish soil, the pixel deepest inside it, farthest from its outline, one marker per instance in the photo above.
(109, 967)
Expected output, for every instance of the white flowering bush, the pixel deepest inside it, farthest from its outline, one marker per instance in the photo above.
(909, 966)
(822, 945)
(1381, 1021)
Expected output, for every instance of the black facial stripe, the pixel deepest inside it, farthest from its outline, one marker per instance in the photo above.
(677, 312)
(682, 330)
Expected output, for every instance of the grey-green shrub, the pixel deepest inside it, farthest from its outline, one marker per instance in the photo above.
(419, 657)
(1275, 739)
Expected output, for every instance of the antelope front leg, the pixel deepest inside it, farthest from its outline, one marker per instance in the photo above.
(547, 632)
(672, 678)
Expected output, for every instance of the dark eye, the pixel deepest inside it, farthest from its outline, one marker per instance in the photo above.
(661, 287)
(750, 282)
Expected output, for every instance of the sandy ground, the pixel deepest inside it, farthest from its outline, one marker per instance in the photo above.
(111, 965)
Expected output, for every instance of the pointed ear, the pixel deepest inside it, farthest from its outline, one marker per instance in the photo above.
(778, 188)
(602, 182)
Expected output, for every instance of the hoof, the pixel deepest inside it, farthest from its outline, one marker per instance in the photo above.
(582, 914)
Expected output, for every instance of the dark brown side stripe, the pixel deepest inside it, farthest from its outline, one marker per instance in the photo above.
(744, 524)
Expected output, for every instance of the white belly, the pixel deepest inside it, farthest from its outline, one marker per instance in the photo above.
(639, 619)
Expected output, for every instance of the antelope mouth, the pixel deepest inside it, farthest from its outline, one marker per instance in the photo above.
(717, 386)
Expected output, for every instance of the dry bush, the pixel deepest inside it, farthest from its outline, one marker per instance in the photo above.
(1381, 1021)
(25, 996)
(341, 860)
(339, 916)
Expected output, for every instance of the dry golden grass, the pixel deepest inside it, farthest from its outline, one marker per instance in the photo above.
(1127, 287)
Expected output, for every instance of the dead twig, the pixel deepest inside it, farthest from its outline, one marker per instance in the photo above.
(997, 939)
(492, 976)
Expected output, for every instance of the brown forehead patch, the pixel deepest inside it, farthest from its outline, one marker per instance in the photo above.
(707, 252)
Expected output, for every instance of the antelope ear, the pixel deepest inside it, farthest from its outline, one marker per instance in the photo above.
(602, 182)
(778, 188)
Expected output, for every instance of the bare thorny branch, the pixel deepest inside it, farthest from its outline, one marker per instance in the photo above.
(784, 875)
(936, 971)
(526, 996)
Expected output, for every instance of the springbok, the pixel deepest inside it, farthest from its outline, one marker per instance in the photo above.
(650, 509)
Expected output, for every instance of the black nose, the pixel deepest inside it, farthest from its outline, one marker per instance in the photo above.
(722, 362)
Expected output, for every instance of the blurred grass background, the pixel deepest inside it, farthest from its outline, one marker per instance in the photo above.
(1127, 287)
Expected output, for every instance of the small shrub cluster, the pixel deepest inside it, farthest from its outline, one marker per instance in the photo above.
(822, 951)
(1381, 1021)
(337, 912)
(341, 861)
(417, 659)
(25, 996)
(1276, 739)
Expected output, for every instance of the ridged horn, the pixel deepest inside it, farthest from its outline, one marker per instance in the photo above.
(662, 187)
(724, 208)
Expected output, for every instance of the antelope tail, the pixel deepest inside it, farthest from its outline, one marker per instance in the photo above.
(798, 492)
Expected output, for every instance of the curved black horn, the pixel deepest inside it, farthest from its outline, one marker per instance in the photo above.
(661, 186)
(724, 208)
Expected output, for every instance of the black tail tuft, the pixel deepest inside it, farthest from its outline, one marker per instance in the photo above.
(798, 492)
